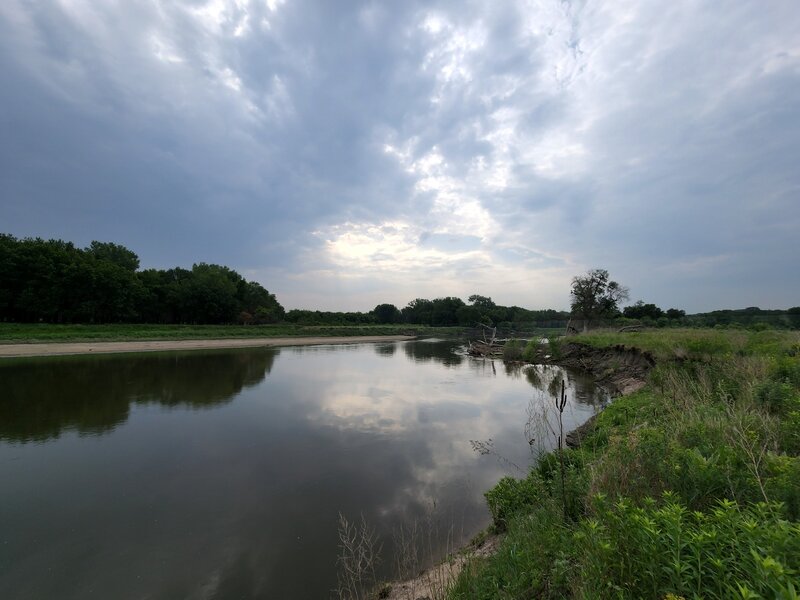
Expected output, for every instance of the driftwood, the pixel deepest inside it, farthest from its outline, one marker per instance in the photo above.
(488, 347)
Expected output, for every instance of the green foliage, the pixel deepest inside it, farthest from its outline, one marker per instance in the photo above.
(386, 313)
(512, 496)
(628, 551)
(46, 332)
(532, 561)
(512, 350)
(716, 433)
(594, 296)
(53, 281)
(640, 310)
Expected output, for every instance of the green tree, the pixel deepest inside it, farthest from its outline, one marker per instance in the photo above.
(594, 296)
(640, 310)
(386, 313)
(114, 253)
(418, 311)
(481, 302)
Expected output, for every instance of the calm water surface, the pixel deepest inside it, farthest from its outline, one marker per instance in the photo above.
(222, 474)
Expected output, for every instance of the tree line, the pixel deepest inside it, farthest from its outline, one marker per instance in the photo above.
(596, 298)
(57, 282)
(438, 312)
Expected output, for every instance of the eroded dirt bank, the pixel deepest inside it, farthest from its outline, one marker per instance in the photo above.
(619, 369)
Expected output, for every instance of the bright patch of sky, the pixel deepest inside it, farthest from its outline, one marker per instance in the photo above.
(351, 153)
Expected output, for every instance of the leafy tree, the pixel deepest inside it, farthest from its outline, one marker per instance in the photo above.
(674, 313)
(445, 311)
(419, 311)
(469, 316)
(794, 317)
(640, 310)
(114, 253)
(386, 313)
(481, 302)
(257, 301)
(594, 296)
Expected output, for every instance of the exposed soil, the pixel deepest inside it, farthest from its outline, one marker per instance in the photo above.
(619, 369)
(432, 583)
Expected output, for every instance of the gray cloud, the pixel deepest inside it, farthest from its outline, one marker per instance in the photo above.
(350, 153)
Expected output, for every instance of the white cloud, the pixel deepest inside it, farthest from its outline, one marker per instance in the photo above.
(413, 151)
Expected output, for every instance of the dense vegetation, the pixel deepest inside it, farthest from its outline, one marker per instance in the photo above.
(689, 488)
(55, 281)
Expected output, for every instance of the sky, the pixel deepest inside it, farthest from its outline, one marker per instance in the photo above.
(345, 154)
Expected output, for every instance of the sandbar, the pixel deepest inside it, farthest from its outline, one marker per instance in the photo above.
(64, 348)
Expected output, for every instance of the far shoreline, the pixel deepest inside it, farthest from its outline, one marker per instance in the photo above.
(71, 348)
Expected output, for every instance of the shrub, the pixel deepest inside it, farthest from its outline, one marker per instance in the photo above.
(511, 496)
(512, 350)
(533, 561)
(652, 551)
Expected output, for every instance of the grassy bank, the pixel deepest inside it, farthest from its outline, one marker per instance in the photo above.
(688, 488)
(33, 333)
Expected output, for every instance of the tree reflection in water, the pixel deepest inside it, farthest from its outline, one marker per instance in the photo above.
(44, 397)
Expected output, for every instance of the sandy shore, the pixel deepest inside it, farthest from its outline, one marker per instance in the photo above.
(61, 348)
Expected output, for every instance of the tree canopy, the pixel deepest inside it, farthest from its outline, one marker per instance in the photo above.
(55, 281)
(594, 296)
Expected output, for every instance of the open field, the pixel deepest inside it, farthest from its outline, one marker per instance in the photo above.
(14, 333)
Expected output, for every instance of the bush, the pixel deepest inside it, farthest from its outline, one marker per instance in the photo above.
(651, 551)
(511, 496)
(533, 561)
(512, 350)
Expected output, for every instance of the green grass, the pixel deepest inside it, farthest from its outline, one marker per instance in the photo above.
(688, 488)
(11, 333)
(667, 344)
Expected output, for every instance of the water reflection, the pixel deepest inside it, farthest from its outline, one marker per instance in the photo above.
(386, 349)
(442, 352)
(92, 395)
(242, 501)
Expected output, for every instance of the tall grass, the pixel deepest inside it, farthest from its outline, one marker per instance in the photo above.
(44, 332)
(689, 487)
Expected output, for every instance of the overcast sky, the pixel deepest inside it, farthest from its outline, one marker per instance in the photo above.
(349, 153)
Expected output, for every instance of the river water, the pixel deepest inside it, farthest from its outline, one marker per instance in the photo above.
(223, 474)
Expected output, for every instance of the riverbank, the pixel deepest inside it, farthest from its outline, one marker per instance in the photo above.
(686, 487)
(23, 333)
(620, 371)
(66, 348)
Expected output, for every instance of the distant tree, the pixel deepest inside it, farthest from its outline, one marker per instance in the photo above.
(445, 311)
(259, 303)
(418, 311)
(481, 302)
(594, 296)
(674, 313)
(640, 310)
(386, 313)
(114, 253)
(469, 316)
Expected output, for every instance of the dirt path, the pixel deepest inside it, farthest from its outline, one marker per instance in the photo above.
(61, 348)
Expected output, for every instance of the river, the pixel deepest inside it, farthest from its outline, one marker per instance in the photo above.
(222, 474)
